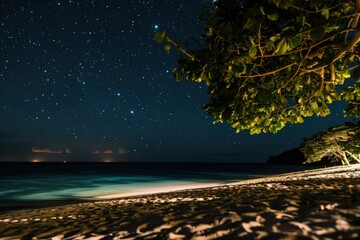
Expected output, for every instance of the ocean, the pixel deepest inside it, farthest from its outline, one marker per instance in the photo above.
(28, 185)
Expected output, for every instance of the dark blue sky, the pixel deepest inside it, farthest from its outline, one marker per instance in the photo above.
(87, 76)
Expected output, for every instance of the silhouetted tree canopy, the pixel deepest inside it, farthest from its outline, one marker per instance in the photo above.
(338, 143)
(272, 62)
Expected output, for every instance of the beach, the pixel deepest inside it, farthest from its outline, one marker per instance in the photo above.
(313, 204)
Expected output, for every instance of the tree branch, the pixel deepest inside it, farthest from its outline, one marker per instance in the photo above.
(311, 46)
(308, 99)
(347, 48)
(354, 41)
(332, 69)
(353, 156)
(181, 49)
(267, 73)
(345, 158)
(296, 72)
(260, 49)
(317, 11)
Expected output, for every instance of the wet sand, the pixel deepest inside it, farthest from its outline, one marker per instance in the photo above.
(313, 204)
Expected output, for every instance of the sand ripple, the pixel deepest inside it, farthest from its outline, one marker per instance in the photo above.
(309, 205)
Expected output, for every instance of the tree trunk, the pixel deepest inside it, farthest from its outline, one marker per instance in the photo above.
(354, 156)
(345, 158)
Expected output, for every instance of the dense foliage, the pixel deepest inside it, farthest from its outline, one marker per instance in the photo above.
(271, 62)
(339, 144)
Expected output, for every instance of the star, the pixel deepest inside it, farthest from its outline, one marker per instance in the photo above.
(156, 26)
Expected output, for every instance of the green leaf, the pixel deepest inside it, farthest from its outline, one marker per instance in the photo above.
(253, 51)
(273, 129)
(329, 87)
(274, 38)
(251, 39)
(349, 9)
(349, 96)
(283, 48)
(285, 4)
(203, 76)
(167, 47)
(301, 20)
(252, 24)
(317, 33)
(314, 106)
(262, 10)
(279, 45)
(269, 45)
(273, 17)
(288, 28)
(304, 63)
(329, 29)
(264, 95)
(294, 42)
(239, 69)
(328, 99)
(159, 37)
(299, 119)
(281, 99)
(346, 74)
(178, 73)
(255, 130)
(325, 13)
(301, 100)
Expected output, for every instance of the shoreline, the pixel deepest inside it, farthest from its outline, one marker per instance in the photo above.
(157, 190)
(319, 203)
(338, 171)
(14, 204)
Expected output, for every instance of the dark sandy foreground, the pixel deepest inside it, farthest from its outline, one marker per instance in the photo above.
(316, 204)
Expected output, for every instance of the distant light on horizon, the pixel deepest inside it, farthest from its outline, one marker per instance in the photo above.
(107, 161)
(35, 160)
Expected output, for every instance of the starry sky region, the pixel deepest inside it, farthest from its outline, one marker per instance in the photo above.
(82, 77)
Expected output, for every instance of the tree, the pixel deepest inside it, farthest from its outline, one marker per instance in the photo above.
(338, 143)
(271, 62)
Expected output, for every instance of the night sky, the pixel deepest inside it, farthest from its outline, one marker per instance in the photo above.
(79, 78)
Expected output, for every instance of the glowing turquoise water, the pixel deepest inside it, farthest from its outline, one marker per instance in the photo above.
(65, 181)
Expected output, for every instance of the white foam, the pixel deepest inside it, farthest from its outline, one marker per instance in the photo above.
(159, 189)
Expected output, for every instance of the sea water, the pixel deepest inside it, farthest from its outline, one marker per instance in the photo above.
(31, 182)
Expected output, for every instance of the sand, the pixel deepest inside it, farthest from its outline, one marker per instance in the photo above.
(314, 204)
